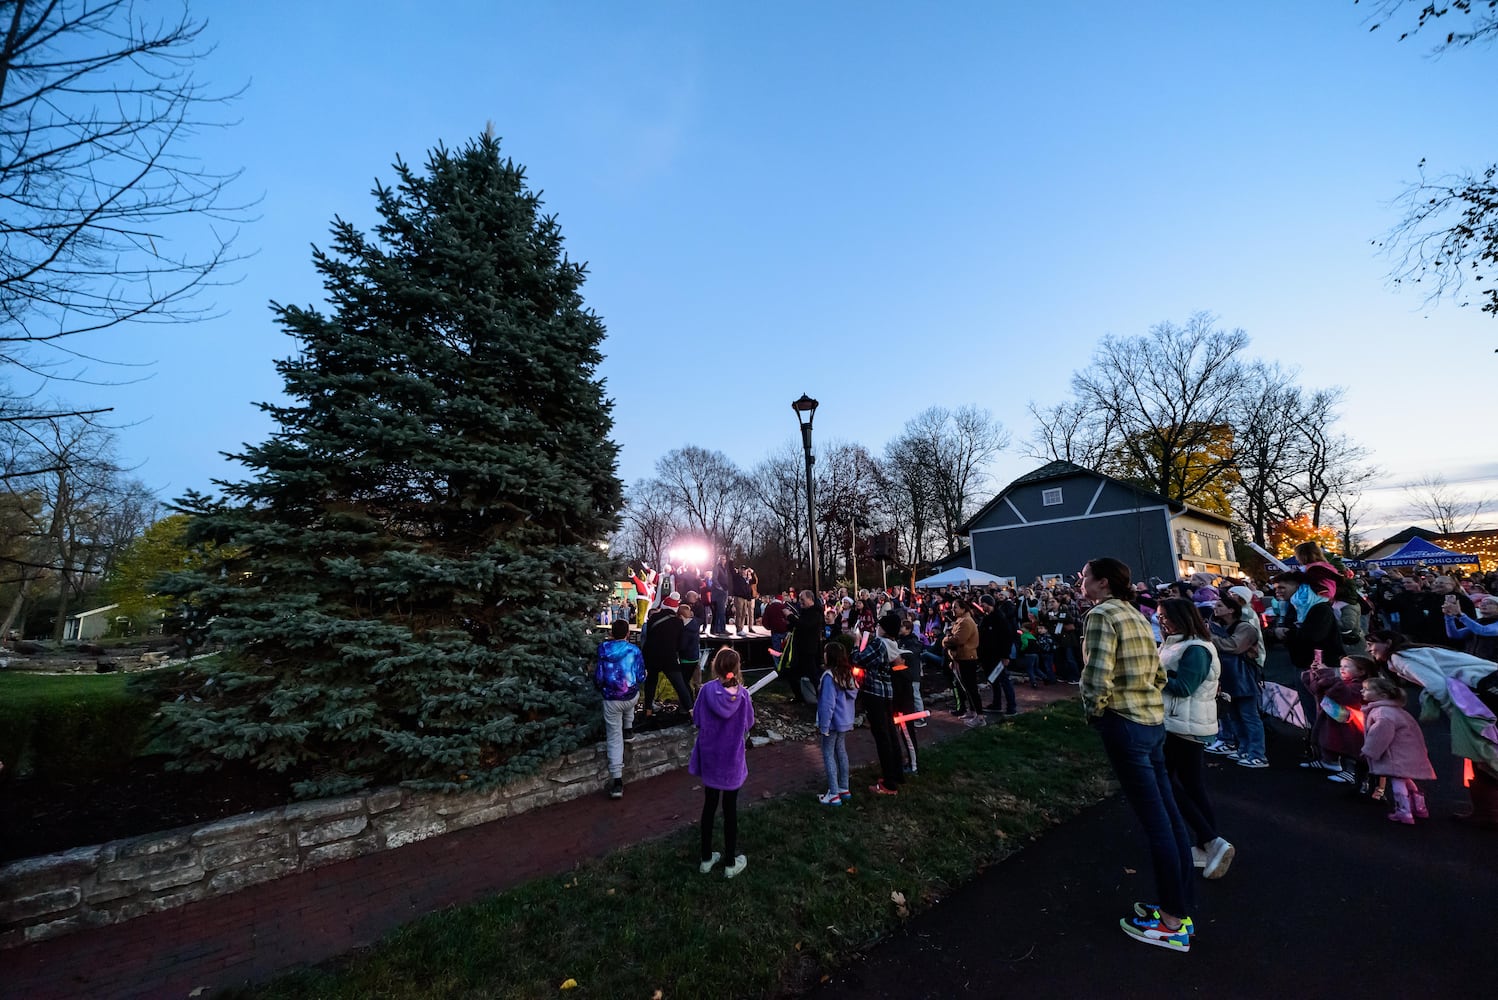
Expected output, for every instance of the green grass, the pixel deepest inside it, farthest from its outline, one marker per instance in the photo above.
(69, 727)
(818, 887)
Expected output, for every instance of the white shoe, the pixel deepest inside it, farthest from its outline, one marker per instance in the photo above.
(1199, 857)
(739, 864)
(707, 865)
(1219, 857)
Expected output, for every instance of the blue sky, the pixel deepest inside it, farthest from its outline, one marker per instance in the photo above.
(868, 202)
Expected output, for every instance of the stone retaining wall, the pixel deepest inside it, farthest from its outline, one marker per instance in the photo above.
(57, 894)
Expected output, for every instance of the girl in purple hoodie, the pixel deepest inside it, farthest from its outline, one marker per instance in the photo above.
(723, 715)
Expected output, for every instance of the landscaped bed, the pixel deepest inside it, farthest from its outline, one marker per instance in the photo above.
(822, 883)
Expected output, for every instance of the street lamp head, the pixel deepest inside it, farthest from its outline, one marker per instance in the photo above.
(805, 405)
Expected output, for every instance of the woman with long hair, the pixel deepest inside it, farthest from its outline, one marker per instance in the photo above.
(1192, 671)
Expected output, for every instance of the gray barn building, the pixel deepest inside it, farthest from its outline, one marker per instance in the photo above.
(1054, 519)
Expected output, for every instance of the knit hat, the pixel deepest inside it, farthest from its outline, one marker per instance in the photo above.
(672, 602)
(1242, 593)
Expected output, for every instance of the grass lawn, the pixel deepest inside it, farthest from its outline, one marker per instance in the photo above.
(819, 887)
(68, 725)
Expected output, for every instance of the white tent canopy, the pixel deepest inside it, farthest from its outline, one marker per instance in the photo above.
(959, 578)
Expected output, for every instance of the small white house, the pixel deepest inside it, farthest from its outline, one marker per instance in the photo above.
(86, 626)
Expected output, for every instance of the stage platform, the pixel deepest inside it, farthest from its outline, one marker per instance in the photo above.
(754, 647)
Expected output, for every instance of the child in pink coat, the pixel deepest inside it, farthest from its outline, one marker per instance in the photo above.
(1395, 746)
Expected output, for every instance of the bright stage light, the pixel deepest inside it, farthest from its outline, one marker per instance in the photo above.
(691, 554)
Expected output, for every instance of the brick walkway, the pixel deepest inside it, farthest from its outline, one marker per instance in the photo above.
(254, 934)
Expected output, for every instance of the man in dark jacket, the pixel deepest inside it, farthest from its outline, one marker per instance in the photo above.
(807, 622)
(662, 656)
(995, 644)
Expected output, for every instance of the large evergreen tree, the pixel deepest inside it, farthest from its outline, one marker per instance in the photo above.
(418, 551)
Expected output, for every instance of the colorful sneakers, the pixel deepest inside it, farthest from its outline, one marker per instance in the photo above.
(1221, 747)
(1152, 930)
(1152, 911)
(878, 788)
(845, 796)
(830, 799)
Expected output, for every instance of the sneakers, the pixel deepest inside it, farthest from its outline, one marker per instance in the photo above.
(1221, 747)
(1199, 857)
(1402, 816)
(830, 799)
(629, 736)
(975, 722)
(616, 788)
(878, 788)
(1152, 911)
(1219, 856)
(1320, 765)
(1243, 761)
(1342, 777)
(1152, 930)
(739, 864)
(707, 865)
(845, 796)
(920, 723)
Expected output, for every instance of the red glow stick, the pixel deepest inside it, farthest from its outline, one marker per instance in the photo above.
(901, 719)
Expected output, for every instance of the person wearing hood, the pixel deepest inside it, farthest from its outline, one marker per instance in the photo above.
(1465, 688)
(1315, 627)
(723, 715)
(617, 675)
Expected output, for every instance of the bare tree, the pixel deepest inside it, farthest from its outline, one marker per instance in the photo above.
(1265, 439)
(1071, 432)
(708, 490)
(79, 509)
(952, 450)
(1447, 240)
(1471, 20)
(106, 214)
(848, 486)
(1435, 500)
(778, 483)
(1325, 464)
(1176, 394)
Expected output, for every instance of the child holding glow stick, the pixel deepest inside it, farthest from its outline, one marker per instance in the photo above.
(835, 707)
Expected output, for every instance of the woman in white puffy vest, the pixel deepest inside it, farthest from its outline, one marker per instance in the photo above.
(1191, 675)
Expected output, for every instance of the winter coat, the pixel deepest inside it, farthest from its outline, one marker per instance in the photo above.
(835, 706)
(620, 670)
(689, 649)
(1343, 738)
(723, 717)
(1319, 631)
(1395, 745)
(1449, 679)
(962, 638)
(777, 617)
(1234, 651)
(996, 637)
(663, 640)
(1190, 694)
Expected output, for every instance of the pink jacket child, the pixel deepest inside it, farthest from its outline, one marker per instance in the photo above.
(1395, 747)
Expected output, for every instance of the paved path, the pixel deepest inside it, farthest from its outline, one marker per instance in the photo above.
(251, 935)
(1325, 899)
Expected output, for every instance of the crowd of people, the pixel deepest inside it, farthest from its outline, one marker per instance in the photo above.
(1168, 672)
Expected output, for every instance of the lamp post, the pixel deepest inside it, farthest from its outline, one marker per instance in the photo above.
(806, 410)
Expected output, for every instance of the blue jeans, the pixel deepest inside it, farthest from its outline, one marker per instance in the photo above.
(1241, 725)
(835, 759)
(1137, 753)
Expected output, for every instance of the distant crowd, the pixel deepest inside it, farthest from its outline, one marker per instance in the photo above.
(1168, 672)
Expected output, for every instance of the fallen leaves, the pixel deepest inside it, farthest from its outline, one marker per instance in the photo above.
(569, 984)
(898, 898)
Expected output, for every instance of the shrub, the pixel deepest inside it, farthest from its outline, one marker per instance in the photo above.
(69, 728)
